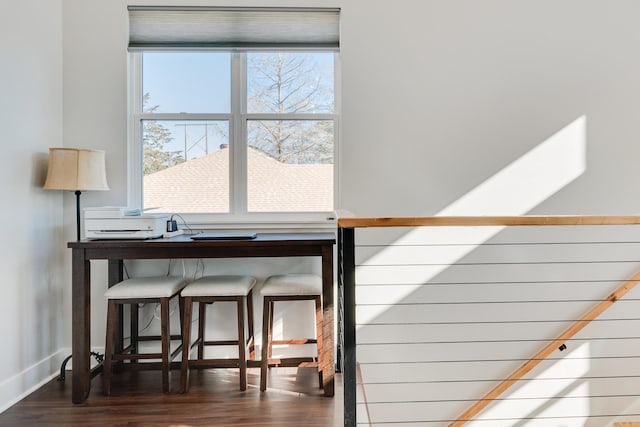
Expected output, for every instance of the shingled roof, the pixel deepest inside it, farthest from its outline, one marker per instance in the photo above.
(202, 185)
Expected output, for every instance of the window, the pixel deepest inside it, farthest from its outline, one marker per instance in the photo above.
(233, 131)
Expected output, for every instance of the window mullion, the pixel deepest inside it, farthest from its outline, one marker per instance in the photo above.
(337, 108)
(185, 116)
(291, 116)
(238, 152)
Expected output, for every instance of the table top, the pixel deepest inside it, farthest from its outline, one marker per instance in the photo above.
(264, 245)
(262, 239)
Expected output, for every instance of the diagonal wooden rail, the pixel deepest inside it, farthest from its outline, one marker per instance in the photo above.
(568, 333)
(531, 220)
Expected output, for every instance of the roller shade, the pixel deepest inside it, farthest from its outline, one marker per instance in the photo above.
(232, 27)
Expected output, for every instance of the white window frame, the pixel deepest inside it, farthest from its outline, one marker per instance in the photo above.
(238, 217)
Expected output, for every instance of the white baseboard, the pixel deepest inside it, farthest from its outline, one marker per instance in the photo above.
(19, 386)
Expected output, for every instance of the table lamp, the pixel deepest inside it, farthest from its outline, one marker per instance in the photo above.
(76, 169)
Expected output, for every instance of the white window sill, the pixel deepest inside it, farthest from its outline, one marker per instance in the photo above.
(258, 222)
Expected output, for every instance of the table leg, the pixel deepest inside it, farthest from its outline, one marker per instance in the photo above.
(80, 327)
(328, 367)
(116, 275)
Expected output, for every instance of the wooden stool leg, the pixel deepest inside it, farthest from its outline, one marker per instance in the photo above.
(266, 339)
(166, 344)
(120, 333)
(251, 337)
(186, 344)
(181, 312)
(107, 368)
(319, 316)
(272, 306)
(202, 311)
(135, 329)
(242, 357)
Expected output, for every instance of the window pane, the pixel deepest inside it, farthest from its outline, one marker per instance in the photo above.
(186, 166)
(186, 82)
(290, 82)
(290, 165)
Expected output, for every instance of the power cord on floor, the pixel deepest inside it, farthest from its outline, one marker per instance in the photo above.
(63, 368)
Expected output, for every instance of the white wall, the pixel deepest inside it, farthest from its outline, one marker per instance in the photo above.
(438, 96)
(33, 268)
(454, 91)
(95, 116)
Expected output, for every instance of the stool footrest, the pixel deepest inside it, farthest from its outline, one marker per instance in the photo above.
(221, 343)
(214, 363)
(297, 363)
(128, 349)
(295, 341)
(145, 356)
(294, 362)
(175, 352)
(157, 338)
(145, 366)
(137, 356)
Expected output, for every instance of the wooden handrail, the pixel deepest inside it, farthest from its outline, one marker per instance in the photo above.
(576, 327)
(480, 221)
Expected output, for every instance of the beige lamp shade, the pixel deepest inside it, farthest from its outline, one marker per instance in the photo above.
(76, 169)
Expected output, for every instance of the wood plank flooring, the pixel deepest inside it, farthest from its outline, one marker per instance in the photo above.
(214, 399)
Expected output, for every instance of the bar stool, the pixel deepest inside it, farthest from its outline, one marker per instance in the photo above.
(135, 291)
(289, 287)
(205, 291)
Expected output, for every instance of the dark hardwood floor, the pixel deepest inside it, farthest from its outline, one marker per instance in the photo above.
(214, 399)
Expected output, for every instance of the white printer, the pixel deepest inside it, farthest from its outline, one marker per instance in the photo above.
(117, 222)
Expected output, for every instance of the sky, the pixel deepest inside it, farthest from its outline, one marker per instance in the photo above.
(199, 82)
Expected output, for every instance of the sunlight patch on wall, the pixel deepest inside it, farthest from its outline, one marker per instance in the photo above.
(514, 190)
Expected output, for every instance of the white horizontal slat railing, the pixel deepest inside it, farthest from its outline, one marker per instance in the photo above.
(490, 321)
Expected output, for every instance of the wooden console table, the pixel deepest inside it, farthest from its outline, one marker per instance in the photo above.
(116, 251)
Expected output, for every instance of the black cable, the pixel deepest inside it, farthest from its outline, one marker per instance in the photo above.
(184, 222)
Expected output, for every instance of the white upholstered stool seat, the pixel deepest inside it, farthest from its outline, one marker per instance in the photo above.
(220, 286)
(292, 284)
(289, 287)
(208, 290)
(146, 287)
(158, 289)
